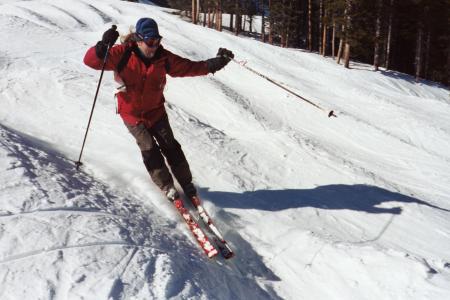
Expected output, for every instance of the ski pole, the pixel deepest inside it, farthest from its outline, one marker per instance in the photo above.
(330, 113)
(79, 163)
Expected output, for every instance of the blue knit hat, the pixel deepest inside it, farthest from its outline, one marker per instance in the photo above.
(146, 28)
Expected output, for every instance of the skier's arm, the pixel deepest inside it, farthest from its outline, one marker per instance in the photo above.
(182, 67)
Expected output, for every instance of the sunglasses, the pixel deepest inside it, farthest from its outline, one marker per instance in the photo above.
(151, 42)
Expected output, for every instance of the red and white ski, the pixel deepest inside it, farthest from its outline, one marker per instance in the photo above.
(198, 233)
(223, 246)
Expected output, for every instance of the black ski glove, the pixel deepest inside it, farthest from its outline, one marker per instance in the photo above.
(225, 53)
(221, 60)
(109, 37)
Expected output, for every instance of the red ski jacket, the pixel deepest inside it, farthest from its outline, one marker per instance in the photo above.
(143, 100)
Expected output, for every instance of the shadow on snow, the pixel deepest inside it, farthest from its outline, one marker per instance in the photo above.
(359, 197)
(144, 239)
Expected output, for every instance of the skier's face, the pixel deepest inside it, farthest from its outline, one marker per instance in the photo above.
(149, 47)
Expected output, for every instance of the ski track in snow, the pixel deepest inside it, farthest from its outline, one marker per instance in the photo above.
(133, 224)
(84, 239)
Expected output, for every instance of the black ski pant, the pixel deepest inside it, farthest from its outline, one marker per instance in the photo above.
(156, 143)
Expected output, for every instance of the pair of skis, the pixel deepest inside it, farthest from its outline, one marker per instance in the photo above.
(210, 250)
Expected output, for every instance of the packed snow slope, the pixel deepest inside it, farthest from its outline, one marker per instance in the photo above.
(353, 207)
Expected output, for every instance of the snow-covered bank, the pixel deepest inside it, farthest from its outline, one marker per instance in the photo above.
(355, 207)
(65, 235)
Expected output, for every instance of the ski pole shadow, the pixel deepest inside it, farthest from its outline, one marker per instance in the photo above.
(358, 197)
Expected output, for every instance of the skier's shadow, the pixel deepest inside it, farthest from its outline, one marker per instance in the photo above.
(359, 197)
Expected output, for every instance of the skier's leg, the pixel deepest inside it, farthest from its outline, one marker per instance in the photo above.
(176, 159)
(151, 155)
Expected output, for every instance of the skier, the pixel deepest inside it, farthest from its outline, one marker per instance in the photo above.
(140, 65)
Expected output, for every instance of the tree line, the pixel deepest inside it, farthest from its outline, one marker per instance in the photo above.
(410, 36)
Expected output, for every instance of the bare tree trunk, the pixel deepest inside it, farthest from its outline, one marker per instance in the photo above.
(194, 13)
(283, 39)
(418, 59)
(427, 53)
(263, 29)
(203, 10)
(389, 37)
(231, 21)
(310, 25)
(347, 55)
(209, 18)
(270, 24)
(347, 35)
(219, 15)
(324, 40)
(376, 56)
(448, 62)
(333, 39)
(427, 42)
(320, 26)
(285, 22)
(289, 22)
(237, 25)
(325, 31)
(198, 11)
(341, 45)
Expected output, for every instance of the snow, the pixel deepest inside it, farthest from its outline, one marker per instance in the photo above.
(354, 207)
